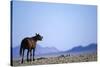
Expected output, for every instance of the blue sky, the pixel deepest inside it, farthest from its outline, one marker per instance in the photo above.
(62, 25)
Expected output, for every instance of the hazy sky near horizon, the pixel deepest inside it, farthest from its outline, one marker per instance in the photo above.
(62, 25)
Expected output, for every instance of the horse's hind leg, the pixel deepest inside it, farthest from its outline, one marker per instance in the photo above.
(22, 56)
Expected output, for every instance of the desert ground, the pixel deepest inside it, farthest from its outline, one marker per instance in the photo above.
(87, 57)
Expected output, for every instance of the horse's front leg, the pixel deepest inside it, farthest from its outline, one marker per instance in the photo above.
(33, 54)
(28, 55)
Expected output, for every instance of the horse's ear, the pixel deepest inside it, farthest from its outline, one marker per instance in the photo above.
(36, 34)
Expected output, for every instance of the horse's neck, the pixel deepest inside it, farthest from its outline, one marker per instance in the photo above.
(34, 39)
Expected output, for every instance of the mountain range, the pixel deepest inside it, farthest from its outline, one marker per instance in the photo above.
(52, 50)
(91, 47)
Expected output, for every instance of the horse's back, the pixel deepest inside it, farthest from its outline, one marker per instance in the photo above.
(28, 43)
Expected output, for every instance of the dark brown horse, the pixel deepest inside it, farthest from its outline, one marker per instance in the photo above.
(29, 43)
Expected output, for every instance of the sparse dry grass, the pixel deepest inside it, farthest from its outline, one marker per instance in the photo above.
(59, 59)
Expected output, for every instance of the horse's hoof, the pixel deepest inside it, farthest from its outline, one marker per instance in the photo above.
(33, 59)
(21, 62)
(27, 60)
(30, 60)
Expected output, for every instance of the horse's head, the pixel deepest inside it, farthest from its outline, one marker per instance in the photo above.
(38, 37)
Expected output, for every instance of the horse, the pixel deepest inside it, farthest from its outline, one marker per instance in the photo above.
(29, 43)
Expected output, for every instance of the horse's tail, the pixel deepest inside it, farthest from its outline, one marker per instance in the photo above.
(21, 48)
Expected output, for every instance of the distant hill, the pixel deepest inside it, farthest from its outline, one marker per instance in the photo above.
(45, 50)
(90, 47)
